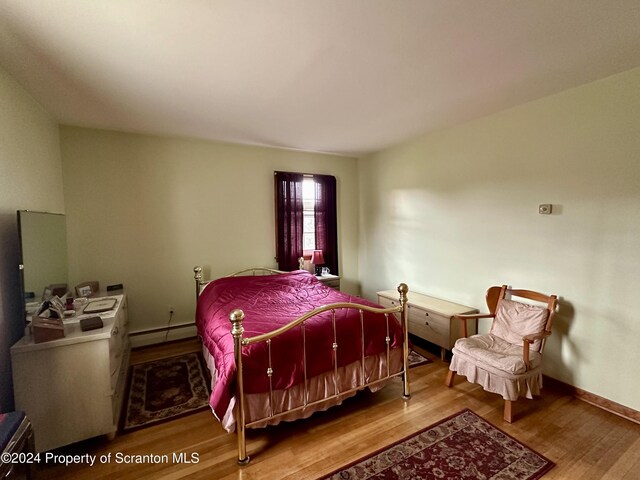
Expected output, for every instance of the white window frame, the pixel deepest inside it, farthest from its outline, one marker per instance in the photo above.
(308, 201)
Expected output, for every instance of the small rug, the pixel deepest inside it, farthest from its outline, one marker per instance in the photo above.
(416, 359)
(462, 446)
(164, 389)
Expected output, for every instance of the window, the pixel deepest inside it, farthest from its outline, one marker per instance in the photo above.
(306, 218)
(308, 212)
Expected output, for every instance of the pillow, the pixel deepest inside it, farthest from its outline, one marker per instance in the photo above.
(514, 320)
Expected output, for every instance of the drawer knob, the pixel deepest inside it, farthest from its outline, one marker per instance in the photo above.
(426, 323)
(426, 314)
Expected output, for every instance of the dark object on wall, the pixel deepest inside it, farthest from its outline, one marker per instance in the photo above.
(117, 286)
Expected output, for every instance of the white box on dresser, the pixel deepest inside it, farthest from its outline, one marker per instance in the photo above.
(72, 388)
(431, 318)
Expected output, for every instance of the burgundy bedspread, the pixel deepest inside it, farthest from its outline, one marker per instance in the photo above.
(270, 302)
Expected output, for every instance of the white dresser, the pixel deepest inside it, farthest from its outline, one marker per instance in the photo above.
(72, 388)
(431, 318)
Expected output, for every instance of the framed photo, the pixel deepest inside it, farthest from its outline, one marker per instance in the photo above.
(87, 289)
(84, 291)
(46, 295)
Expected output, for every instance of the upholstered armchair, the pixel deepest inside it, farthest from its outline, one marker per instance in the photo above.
(507, 360)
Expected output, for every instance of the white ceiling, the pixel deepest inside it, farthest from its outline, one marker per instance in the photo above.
(343, 76)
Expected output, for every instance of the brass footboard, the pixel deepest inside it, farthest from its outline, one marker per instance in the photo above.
(237, 316)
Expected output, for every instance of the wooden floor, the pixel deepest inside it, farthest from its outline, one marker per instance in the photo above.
(584, 441)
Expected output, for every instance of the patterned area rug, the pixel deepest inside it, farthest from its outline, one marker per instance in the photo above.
(416, 359)
(166, 388)
(463, 446)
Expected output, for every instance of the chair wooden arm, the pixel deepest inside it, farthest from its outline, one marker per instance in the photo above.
(527, 340)
(532, 337)
(471, 316)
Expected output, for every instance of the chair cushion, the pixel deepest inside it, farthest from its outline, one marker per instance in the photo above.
(497, 353)
(514, 320)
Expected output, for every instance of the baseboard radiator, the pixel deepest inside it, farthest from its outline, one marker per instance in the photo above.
(152, 336)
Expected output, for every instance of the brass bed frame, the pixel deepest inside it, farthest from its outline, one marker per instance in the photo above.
(236, 318)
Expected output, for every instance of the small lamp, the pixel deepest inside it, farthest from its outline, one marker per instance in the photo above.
(317, 259)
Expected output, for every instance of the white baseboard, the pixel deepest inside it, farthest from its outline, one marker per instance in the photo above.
(152, 336)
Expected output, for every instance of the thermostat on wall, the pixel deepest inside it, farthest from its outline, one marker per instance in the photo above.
(544, 209)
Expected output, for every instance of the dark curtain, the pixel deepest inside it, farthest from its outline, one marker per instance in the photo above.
(289, 218)
(327, 220)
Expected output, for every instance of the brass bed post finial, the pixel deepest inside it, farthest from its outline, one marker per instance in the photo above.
(236, 317)
(403, 289)
(197, 270)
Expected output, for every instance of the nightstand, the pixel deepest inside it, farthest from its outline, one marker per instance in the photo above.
(329, 280)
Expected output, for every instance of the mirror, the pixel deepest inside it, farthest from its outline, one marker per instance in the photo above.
(43, 256)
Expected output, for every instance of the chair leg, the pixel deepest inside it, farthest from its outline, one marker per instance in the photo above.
(450, 376)
(508, 411)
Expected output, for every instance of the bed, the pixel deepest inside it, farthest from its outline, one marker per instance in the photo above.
(282, 345)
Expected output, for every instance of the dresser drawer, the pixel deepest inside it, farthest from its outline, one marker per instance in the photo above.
(331, 281)
(333, 284)
(387, 302)
(428, 325)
